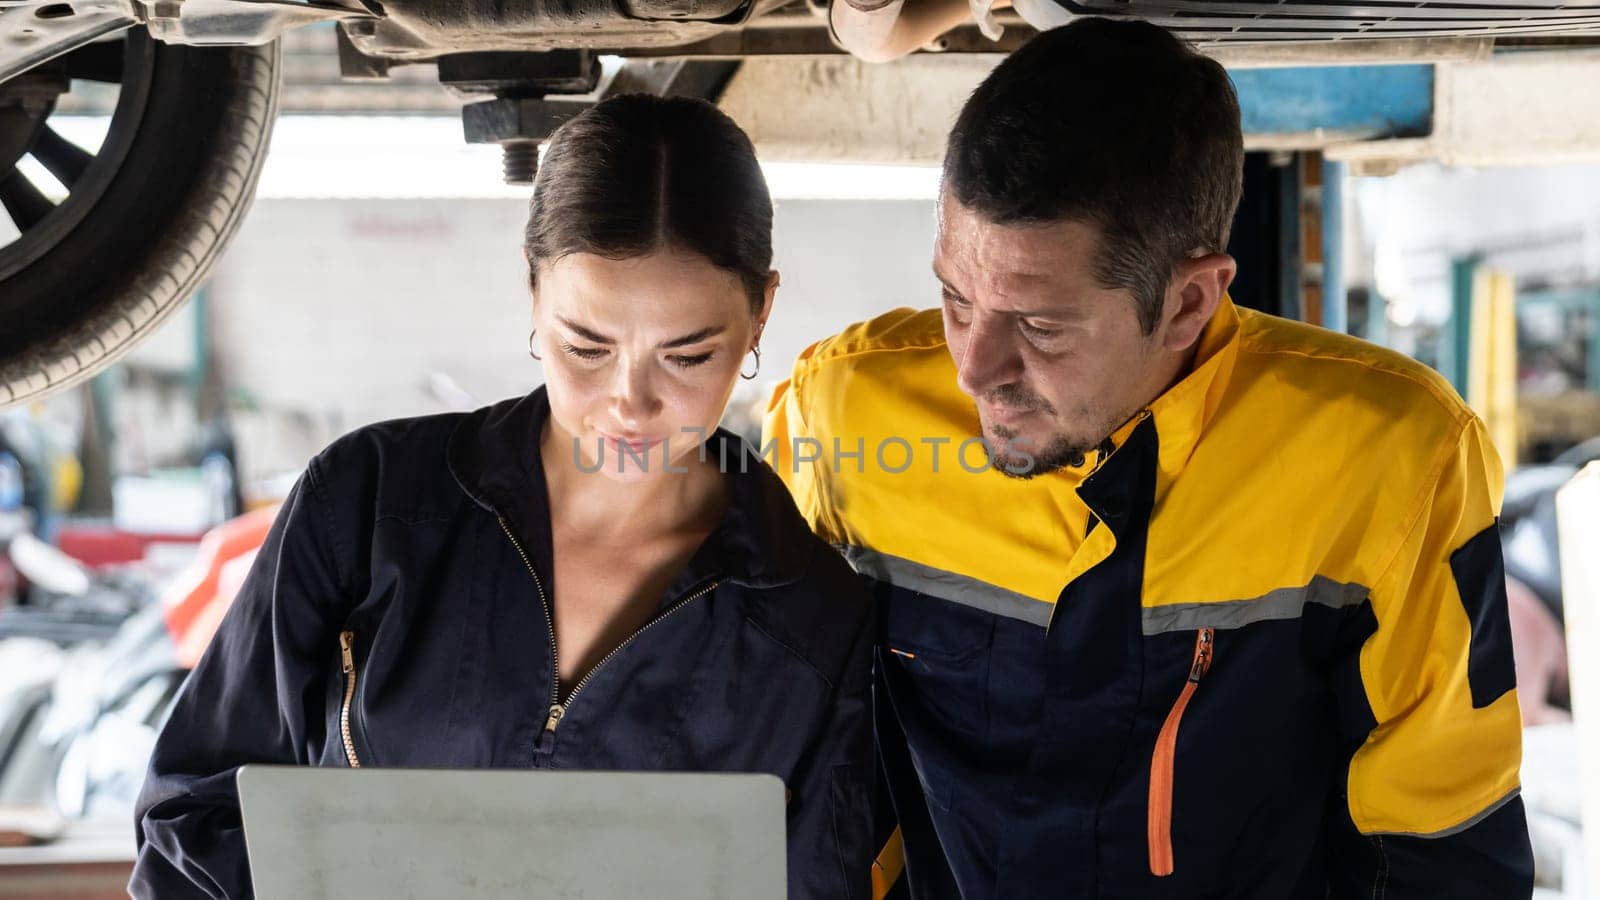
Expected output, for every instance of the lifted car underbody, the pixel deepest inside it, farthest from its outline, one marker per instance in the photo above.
(87, 274)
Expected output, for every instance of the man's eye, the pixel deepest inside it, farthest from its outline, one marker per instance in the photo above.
(689, 362)
(1036, 331)
(582, 352)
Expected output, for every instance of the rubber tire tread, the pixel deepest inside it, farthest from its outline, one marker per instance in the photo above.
(150, 242)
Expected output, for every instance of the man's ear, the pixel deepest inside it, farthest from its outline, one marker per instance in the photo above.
(1197, 287)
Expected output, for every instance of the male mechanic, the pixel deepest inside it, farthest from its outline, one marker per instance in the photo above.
(1224, 614)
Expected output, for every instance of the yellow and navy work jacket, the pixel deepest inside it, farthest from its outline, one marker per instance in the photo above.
(1256, 646)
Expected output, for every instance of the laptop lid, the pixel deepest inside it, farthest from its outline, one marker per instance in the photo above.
(388, 834)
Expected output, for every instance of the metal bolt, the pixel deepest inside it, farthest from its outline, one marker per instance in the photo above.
(521, 161)
(164, 20)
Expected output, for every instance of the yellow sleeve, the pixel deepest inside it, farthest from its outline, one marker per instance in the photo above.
(785, 432)
(1432, 787)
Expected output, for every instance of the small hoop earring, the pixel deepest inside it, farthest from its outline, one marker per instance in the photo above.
(530, 345)
(752, 375)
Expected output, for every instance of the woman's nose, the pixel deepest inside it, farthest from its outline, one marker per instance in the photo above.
(634, 399)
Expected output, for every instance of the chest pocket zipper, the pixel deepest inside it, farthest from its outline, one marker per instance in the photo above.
(347, 657)
(1158, 822)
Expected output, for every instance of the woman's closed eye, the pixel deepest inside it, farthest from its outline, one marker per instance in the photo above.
(590, 353)
(689, 362)
(594, 354)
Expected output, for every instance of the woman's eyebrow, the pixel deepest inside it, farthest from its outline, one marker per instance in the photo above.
(598, 338)
(583, 332)
(695, 337)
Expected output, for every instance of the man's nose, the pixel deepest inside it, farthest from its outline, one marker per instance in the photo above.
(990, 358)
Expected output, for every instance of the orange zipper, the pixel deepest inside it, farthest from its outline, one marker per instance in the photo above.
(1159, 818)
(887, 867)
(347, 656)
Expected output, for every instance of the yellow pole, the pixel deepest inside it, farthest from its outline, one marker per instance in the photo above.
(1492, 372)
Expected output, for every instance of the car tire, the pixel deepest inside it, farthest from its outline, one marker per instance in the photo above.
(188, 139)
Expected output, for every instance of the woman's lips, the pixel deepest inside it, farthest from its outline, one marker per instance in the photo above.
(635, 445)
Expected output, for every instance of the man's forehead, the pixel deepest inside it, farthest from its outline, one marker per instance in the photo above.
(1021, 255)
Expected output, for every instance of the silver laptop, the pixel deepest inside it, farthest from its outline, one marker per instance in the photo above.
(396, 834)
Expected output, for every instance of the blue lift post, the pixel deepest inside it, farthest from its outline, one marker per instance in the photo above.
(1455, 350)
(1335, 303)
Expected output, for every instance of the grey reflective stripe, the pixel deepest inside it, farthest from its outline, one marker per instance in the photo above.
(1283, 603)
(1453, 829)
(948, 586)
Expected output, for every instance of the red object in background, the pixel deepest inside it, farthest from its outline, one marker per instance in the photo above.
(1539, 647)
(10, 582)
(100, 545)
(197, 599)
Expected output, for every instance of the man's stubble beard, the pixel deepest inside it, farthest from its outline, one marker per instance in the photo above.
(1059, 450)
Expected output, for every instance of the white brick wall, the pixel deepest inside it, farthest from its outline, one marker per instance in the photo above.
(335, 312)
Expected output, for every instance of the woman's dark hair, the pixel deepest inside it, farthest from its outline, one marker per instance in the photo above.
(1113, 122)
(635, 174)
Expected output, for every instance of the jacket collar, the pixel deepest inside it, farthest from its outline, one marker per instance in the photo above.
(1183, 411)
(762, 541)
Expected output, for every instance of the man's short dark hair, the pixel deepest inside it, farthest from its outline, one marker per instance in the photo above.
(1116, 123)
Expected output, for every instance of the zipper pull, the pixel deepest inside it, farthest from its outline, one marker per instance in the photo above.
(1202, 655)
(347, 654)
(556, 712)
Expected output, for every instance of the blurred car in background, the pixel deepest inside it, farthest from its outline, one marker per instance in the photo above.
(94, 662)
